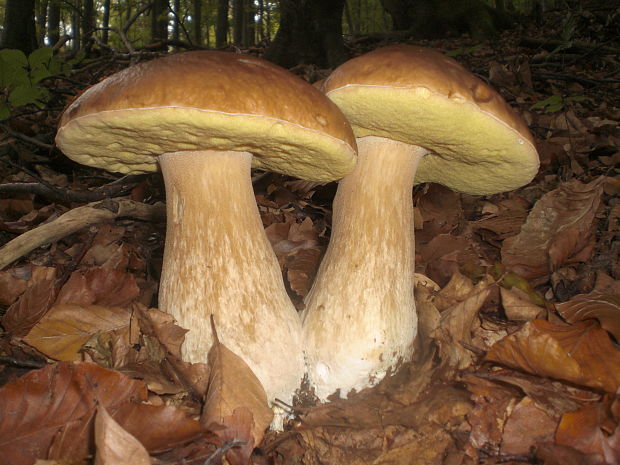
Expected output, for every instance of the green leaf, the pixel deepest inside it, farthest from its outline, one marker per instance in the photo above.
(12, 69)
(5, 111)
(25, 95)
(13, 57)
(40, 57)
(39, 74)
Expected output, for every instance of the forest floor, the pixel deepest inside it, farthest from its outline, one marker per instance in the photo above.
(518, 293)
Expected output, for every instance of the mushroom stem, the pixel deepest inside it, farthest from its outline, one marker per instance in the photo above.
(360, 318)
(218, 261)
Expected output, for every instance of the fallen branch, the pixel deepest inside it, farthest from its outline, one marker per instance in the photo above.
(76, 219)
(118, 188)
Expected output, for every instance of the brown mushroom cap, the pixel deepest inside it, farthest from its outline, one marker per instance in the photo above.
(415, 95)
(208, 100)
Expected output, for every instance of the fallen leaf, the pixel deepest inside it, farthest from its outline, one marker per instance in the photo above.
(29, 308)
(590, 430)
(603, 307)
(581, 353)
(557, 230)
(64, 329)
(99, 286)
(454, 335)
(236, 400)
(114, 444)
(49, 413)
(518, 306)
(527, 424)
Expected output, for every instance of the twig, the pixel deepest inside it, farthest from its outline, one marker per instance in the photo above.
(220, 451)
(117, 188)
(76, 219)
(26, 138)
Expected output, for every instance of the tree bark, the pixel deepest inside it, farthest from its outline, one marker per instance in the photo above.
(41, 21)
(53, 22)
(106, 21)
(197, 17)
(88, 20)
(310, 32)
(159, 21)
(221, 27)
(238, 22)
(19, 28)
(176, 22)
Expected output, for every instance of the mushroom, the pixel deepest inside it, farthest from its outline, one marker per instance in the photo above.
(207, 117)
(418, 116)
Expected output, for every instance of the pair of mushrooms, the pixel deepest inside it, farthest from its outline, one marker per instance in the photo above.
(207, 117)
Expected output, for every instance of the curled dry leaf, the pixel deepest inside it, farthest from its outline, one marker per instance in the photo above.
(518, 306)
(457, 323)
(48, 413)
(62, 332)
(582, 353)
(590, 430)
(527, 424)
(114, 444)
(99, 286)
(557, 231)
(30, 307)
(603, 307)
(236, 401)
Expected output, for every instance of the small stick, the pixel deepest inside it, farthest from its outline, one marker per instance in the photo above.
(76, 219)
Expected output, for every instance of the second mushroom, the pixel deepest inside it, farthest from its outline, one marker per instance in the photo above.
(418, 116)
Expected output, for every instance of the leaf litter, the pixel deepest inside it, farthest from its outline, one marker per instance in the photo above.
(516, 359)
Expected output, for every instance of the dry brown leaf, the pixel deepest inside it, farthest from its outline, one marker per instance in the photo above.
(236, 400)
(518, 306)
(454, 334)
(99, 286)
(581, 353)
(603, 307)
(114, 444)
(591, 431)
(48, 413)
(159, 427)
(29, 308)
(62, 332)
(526, 425)
(557, 230)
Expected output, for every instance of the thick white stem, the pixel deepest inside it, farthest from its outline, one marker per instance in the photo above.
(218, 261)
(360, 319)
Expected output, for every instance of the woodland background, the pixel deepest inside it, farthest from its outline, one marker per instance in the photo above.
(519, 293)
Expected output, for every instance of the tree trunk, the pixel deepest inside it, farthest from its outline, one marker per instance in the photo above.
(53, 22)
(88, 21)
(159, 21)
(19, 29)
(310, 32)
(239, 22)
(221, 27)
(106, 21)
(41, 21)
(249, 23)
(176, 22)
(197, 17)
(76, 41)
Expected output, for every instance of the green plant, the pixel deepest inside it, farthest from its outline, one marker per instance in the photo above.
(21, 74)
(557, 103)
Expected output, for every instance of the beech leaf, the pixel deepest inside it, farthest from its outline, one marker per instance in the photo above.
(66, 328)
(557, 230)
(115, 445)
(235, 400)
(49, 413)
(582, 353)
(603, 307)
